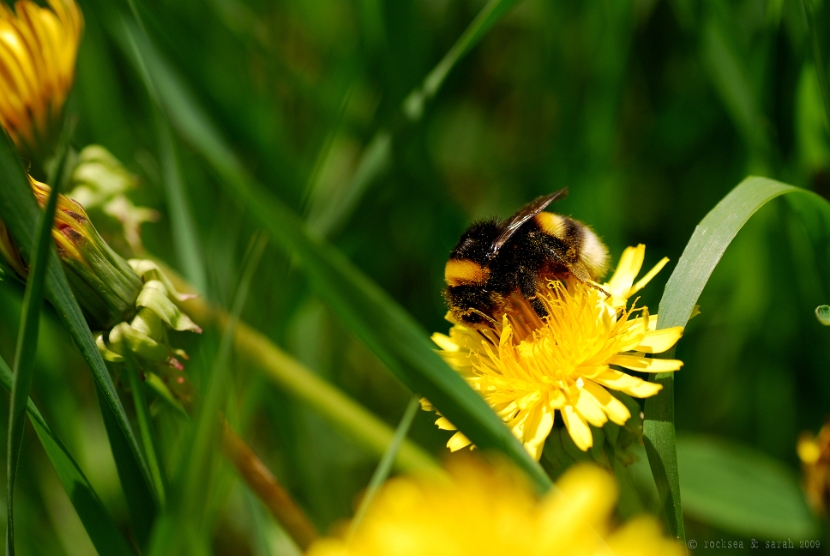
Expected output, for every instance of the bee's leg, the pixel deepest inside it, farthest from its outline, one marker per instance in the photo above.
(527, 285)
(579, 272)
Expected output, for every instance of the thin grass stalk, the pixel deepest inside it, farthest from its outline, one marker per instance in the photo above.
(699, 259)
(24, 360)
(145, 426)
(385, 466)
(376, 157)
(183, 527)
(489, 15)
(268, 489)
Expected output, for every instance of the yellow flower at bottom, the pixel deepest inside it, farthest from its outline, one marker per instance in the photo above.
(814, 453)
(527, 367)
(485, 511)
(38, 47)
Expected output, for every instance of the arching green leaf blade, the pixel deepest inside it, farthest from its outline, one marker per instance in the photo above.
(99, 525)
(702, 254)
(24, 360)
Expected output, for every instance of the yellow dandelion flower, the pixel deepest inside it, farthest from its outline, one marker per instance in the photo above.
(38, 47)
(814, 453)
(484, 511)
(527, 367)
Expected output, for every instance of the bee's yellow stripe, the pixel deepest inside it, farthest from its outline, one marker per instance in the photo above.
(551, 224)
(465, 273)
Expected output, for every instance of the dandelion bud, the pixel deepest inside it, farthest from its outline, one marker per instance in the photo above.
(103, 282)
(38, 47)
(130, 304)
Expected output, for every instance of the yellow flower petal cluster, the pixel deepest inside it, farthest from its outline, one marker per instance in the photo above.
(528, 368)
(814, 453)
(485, 511)
(38, 47)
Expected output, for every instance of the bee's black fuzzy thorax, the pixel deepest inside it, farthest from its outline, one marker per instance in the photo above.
(494, 260)
(475, 242)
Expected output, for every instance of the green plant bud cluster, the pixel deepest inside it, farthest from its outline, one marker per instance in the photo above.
(101, 184)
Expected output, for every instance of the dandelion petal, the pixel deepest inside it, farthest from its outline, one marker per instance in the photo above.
(646, 365)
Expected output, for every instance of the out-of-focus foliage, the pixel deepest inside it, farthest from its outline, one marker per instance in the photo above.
(649, 111)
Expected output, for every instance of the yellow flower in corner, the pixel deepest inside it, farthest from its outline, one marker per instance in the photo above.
(814, 453)
(528, 368)
(38, 47)
(484, 511)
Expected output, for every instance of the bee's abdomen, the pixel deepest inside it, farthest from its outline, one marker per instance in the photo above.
(578, 243)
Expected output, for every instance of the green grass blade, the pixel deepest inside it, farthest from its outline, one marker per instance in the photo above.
(97, 522)
(385, 465)
(414, 103)
(330, 211)
(141, 504)
(703, 252)
(395, 338)
(24, 360)
(145, 426)
(185, 236)
(818, 59)
(20, 213)
(180, 528)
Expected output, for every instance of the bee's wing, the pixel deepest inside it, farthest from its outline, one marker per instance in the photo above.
(509, 226)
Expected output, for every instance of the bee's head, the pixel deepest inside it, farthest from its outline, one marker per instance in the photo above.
(467, 272)
(471, 305)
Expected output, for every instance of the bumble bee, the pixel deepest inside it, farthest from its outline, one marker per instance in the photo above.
(494, 260)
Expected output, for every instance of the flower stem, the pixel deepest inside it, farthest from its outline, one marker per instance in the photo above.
(267, 488)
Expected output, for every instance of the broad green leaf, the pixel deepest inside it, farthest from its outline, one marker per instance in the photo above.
(395, 338)
(742, 490)
(703, 252)
(99, 525)
(24, 359)
(19, 211)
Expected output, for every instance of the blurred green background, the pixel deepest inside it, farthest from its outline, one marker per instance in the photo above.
(649, 111)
